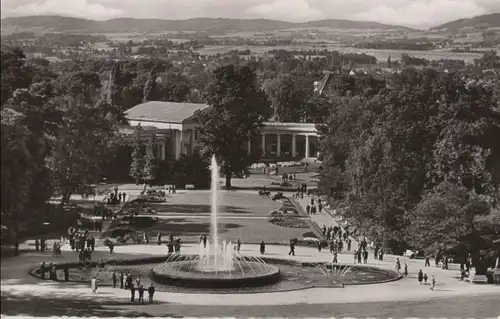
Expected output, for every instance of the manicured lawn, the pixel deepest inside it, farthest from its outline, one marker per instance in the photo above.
(230, 203)
(242, 214)
(248, 230)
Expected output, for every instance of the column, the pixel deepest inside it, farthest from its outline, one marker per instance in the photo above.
(294, 145)
(307, 147)
(191, 142)
(249, 147)
(178, 144)
(263, 144)
(278, 145)
(163, 149)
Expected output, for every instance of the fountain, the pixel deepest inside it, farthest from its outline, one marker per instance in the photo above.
(218, 265)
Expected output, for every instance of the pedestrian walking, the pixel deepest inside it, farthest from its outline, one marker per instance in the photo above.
(398, 265)
(420, 276)
(433, 283)
(93, 285)
(292, 248)
(427, 261)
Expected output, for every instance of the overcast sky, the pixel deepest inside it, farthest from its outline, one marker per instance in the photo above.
(420, 13)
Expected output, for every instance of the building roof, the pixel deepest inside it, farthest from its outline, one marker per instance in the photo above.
(167, 112)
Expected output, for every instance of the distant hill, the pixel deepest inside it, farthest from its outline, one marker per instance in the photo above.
(350, 24)
(62, 24)
(487, 21)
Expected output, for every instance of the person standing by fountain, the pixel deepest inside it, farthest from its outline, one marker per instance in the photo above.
(141, 294)
(177, 245)
(262, 248)
(151, 292)
(158, 239)
(204, 239)
(335, 258)
(132, 292)
(238, 245)
(121, 280)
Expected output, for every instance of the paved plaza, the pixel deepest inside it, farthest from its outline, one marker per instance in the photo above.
(18, 285)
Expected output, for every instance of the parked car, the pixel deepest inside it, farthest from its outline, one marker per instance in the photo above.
(413, 254)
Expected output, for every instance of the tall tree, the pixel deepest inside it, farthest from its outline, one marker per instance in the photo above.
(150, 164)
(17, 168)
(137, 163)
(82, 142)
(289, 95)
(238, 109)
(449, 217)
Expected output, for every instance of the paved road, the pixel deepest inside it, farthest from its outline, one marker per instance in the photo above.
(457, 307)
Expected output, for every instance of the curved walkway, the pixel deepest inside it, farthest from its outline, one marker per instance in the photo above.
(404, 289)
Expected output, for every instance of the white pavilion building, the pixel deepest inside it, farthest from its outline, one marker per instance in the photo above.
(175, 132)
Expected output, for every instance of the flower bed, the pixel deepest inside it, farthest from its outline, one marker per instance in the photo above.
(288, 221)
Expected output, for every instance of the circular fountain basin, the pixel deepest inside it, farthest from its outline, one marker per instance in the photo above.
(187, 274)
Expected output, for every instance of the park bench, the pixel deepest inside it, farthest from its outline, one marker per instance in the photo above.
(190, 187)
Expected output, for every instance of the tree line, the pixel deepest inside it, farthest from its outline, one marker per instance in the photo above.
(415, 162)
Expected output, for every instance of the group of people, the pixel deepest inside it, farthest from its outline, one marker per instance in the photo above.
(288, 177)
(116, 198)
(56, 248)
(80, 239)
(301, 190)
(40, 244)
(173, 244)
(127, 282)
(311, 208)
(51, 269)
(82, 242)
(422, 279)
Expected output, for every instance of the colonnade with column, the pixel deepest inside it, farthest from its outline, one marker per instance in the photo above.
(286, 144)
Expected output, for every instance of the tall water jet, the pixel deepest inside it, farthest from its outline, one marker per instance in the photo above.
(214, 232)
